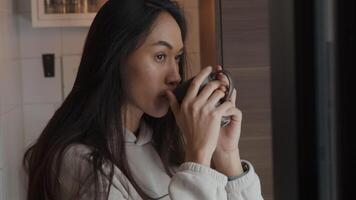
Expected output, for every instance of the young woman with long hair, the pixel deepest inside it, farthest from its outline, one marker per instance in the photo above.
(121, 134)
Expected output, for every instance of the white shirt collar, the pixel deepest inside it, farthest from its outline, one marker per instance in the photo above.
(144, 135)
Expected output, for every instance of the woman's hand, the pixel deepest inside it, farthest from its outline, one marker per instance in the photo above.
(226, 157)
(230, 134)
(198, 118)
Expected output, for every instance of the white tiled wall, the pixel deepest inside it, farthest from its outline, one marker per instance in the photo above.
(73, 40)
(41, 96)
(13, 143)
(36, 88)
(37, 41)
(2, 143)
(70, 70)
(10, 84)
(11, 112)
(3, 185)
(35, 119)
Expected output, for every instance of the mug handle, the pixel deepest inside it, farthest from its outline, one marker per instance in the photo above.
(228, 93)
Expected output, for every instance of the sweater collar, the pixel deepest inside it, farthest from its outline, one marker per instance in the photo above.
(144, 135)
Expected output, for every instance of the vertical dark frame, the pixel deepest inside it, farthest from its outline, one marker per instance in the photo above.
(326, 96)
(345, 59)
(313, 49)
(293, 75)
(284, 105)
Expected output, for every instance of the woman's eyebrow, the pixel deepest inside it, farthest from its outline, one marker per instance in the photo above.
(166, 44)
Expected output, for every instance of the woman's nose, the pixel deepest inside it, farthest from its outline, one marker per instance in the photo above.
(174, 78)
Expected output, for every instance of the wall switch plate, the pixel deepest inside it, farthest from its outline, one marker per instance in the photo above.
(48, 65)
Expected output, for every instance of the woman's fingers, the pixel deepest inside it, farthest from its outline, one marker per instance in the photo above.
(196, 83)
(222, 77)
(234, 113)
(233, 97)
(218, 95)
(215, 98)
(172, 101)
(218, 67)
(207, 91)
(221, 109)
(228, 108)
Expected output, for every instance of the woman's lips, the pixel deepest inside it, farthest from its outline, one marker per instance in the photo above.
(163, 95)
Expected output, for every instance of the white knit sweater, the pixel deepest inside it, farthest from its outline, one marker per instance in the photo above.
(191, 181)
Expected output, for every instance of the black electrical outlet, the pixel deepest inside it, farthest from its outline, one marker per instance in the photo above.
(48, 65)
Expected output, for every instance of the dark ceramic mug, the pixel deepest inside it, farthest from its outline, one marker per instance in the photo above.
(182, 88)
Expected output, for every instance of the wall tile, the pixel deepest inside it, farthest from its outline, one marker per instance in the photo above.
(2, 37)
(23, 6)
(73, 40)
(70, 68)
(13, 135)
(37, 41)
(10, 85)
(10, 37)
(37, 88)
(7, 6)
(2, 93)
(3, 185)
(11, 115)
(2, 6)
(2, 148)
(36, 117)
(12, 123)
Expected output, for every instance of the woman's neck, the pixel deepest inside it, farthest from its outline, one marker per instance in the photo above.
(133, 117)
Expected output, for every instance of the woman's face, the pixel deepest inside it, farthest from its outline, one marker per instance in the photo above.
(153, 68)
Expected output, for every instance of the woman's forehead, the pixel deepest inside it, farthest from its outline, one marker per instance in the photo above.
(165, 28)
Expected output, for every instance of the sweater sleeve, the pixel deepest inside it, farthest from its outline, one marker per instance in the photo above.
(246, 187)
(193, 181)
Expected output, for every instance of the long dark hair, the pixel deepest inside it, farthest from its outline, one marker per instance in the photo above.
(91, 113)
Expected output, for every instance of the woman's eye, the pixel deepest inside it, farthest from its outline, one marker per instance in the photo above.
(160, 57)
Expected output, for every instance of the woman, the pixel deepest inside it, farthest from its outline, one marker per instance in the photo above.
(120, 133)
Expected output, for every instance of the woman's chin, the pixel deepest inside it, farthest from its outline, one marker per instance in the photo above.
(160, 112)
(161, 108)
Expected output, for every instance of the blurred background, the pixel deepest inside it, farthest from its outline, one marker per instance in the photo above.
(285, 56)
(72, 6)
